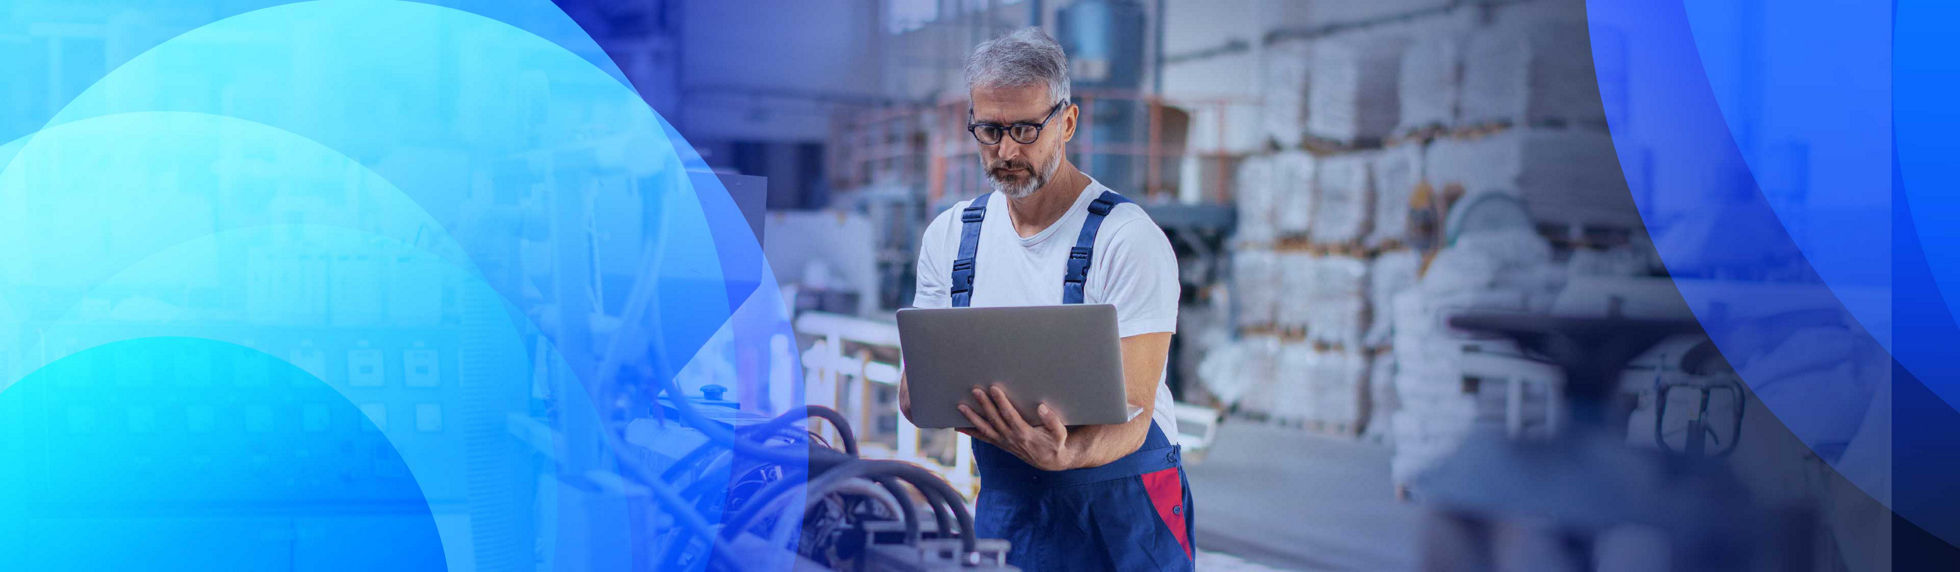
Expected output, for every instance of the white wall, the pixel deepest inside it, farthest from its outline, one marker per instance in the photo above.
(840, 242)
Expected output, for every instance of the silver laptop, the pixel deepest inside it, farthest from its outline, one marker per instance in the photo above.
(1066, 356)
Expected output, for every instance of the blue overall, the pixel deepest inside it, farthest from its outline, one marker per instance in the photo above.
(1131, 514)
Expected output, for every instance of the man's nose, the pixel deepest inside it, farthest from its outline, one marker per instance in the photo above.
(1009, 149)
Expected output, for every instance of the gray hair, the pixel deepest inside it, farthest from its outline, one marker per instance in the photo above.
(1021, 58)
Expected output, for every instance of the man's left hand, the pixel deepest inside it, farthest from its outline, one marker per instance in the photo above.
(1044, 446)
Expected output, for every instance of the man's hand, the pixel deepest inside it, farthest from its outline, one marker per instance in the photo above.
(1044, 446)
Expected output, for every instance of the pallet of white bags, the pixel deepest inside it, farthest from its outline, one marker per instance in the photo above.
(1418, 135)
(1479, 130)
(1325, 146)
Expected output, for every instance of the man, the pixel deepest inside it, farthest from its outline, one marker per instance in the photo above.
(1102, 497)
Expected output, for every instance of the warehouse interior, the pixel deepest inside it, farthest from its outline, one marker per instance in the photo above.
(1343, 182)
(1338, 179)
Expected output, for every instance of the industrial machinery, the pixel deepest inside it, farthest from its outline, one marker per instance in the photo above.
(693, 481)
(797, 502)
(770, 493)
(1582, 499)
(1708, 376)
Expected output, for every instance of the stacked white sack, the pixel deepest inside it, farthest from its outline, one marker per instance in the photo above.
(1570, 176)
(1253, 193)
(1428, 362)
(1295, 373)
(1431, 81)
(1344, 198)
(1298, 275)
(1287, 72)
(1506, 270)
(1341, 382)
(1392, 273)
(1223, 372)
(1260, 354)
(1337, 301)
(1495, 266)
(1398, 170)
(1530, 73)
(1255, 285)
(1425, 439)
(1353, 94)
(1295, 191)
(1476, 165)
(1382, 402)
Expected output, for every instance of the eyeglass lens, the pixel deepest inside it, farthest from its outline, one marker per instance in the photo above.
(991, 134)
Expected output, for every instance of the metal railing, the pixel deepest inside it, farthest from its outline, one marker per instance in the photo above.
(847, 382)
(842, 371)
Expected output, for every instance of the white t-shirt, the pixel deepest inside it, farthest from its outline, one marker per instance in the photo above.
(1132, 267)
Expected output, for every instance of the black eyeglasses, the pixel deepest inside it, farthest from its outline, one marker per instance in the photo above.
(1023, 133)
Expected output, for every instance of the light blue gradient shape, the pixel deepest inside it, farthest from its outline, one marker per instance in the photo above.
(140, 25)
(91, 161)
(356, 78)
(174, 465)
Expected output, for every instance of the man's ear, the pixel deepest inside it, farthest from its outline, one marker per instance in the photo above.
(1068, 123)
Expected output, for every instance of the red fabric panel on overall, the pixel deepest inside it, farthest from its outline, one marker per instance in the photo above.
(1166, 488)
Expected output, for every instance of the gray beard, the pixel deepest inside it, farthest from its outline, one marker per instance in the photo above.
(1036, 179)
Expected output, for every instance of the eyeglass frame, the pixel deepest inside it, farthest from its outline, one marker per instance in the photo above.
(1007, 130)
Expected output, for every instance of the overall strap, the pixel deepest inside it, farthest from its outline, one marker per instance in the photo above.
(1085, 246)
(1000, 469)
(970, 218)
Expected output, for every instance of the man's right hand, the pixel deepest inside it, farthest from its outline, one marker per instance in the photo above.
(904, 399)
(1043, 446)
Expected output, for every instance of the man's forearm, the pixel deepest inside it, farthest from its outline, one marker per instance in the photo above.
(1143, 363)
(1098, 445)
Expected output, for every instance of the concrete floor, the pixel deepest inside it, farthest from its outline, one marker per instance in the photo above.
(1220, 562)
(1292, 499)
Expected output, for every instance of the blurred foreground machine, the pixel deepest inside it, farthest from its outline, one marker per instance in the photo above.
(1582, 499)
(788, 499)
(693, 482)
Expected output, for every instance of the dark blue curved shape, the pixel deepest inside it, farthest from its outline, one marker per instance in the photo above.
(1926, 427)
(1889, 262)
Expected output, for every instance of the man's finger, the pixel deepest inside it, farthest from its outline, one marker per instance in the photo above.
(987, 410)
(980, 427)
(1008, 412)
(1052, 423)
